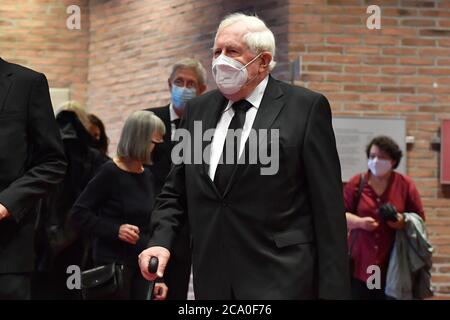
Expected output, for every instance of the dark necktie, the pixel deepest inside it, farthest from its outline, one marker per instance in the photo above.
(176, 122)
(224, 171)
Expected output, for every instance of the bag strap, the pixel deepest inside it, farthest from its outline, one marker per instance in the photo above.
(358, 195)
(354, 233)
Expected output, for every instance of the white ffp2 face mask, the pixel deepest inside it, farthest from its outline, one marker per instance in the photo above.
(230, 75)
(379, 167)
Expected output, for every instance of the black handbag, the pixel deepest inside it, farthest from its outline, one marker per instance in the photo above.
(102, 282)
(353, 234)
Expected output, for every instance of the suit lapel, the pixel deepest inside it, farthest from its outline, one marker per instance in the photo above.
(271, 105)
(5, 83)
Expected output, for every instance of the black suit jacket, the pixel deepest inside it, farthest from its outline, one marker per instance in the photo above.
(161, 154)
(279, 236)
(31, 160)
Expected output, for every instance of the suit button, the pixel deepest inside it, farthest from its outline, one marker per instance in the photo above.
(224, 204)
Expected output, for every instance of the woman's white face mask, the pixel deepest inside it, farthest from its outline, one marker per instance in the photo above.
(230, 75)
(379, 167)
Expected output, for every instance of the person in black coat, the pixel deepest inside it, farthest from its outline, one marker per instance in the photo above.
(261, 229)
(32, 162)
(58, 244)
(187, 80)
(115, 207)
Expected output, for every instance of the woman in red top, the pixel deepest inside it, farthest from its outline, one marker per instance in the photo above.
(372, 237)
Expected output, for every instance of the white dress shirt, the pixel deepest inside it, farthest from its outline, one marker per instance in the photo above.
(173, 116)
(222, 126)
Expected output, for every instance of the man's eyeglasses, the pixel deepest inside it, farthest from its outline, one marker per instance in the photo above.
(181, 83)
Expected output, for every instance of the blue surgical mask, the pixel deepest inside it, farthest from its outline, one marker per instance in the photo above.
(181, 95)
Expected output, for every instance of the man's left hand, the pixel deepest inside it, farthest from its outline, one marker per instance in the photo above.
(4, 213)
(399, 224)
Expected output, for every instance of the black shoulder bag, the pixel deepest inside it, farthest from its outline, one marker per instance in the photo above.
(353, 233)
(101, 282)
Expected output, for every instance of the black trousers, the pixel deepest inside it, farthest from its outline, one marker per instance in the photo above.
(136, 287)
(177, 277)
(15, 286)
(178, 270)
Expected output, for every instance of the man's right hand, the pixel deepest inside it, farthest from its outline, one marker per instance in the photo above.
(367, 223)
(163, 256)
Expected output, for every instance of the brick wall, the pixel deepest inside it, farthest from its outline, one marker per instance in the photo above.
(34, 33)
(134, 43)
(403, 69)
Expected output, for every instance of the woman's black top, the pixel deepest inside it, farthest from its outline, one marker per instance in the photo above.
(112, 198)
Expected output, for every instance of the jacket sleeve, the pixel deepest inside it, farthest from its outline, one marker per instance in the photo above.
(170, 209)
(47, 163)
(325, 191)
(84, 211)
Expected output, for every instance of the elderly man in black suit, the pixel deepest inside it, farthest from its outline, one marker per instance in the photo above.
(31, 162)
(258, 232)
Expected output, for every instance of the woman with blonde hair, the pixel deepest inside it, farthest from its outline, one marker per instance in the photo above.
(58, 245)
(75, 107)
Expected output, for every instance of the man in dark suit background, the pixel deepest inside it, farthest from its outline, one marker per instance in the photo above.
(278, 235)
(187, 80)
(31, 162)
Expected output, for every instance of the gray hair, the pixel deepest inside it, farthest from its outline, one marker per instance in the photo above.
(193, 64)
(258, 39)
(136, 137)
